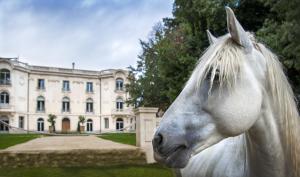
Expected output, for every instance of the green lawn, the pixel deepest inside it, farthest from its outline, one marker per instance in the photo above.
(111, 171)
(7, 140)
(125, 138)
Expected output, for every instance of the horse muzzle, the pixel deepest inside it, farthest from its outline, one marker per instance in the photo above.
(170, 152)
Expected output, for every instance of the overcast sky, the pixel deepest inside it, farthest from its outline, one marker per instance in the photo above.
(95, 34)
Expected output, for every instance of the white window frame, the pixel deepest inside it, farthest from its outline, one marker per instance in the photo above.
(40, 107)
(89, 125)
(119, 104)
(66, 85)
(5, 96)
(119, 84)
(106, 123)
(66, 106)
(40, 125)
(89, 86)
(89, 105)
(41, 86)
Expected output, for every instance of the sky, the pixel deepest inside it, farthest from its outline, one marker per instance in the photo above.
(95, 34)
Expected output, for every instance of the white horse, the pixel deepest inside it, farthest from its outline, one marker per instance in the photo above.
(235, 117)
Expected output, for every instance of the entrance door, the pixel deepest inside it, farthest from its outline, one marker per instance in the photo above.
(65, 125)
(119, 124)
(3, 126)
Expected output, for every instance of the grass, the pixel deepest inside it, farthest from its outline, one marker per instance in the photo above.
(125, 138)
(153, 170)
(7, 140)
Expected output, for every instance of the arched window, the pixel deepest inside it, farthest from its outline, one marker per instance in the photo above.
(89, 125)
(119, 124)
(4, 77)
(4, 124)
(119, 84)
(66, 104)
(4, 98)
(40, 124)
(89, 105)
(119, 104)
(40, 104)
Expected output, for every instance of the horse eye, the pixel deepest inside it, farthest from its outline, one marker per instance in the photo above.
(216, 75)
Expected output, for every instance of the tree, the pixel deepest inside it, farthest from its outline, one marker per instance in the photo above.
(281, 33)
(146, 86)
(81, 120)
(51, 120)
(173, 49)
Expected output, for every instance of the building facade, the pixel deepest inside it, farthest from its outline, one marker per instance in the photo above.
(28, 94)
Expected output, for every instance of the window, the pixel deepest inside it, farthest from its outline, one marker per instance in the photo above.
(21, 122)
(119, 124)
(66, 86)
(89, 125)
(89, 105)
(4, 98)
(4, 77)
(89, 86)
(40, 104)
(119, 84)
(41, 84)
(106, 123)
(119, 104)
(40, 124)
(4, 124)
(66, 104)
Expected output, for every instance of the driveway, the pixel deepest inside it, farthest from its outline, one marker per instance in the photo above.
(57, 143)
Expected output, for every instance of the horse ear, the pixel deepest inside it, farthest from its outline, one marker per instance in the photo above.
(238, 34)
(212, 39)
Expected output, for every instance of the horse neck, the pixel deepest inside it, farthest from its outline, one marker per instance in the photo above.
(264, 147)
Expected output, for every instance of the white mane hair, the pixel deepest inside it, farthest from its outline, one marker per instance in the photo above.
(226, 58)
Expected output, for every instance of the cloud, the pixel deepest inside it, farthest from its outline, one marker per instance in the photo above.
(93, 34)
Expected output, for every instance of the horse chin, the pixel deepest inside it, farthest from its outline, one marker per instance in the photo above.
(177, 159)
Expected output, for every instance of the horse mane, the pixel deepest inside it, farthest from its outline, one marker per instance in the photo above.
(284, 103)
(226, 58)
(222, 60)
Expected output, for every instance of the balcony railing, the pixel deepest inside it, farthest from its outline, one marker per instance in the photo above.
(5, 82)
(121, 111)
(6, 107)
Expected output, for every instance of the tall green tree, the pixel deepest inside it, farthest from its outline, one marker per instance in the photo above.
(281, 32)
(170, 54)
(146, 86)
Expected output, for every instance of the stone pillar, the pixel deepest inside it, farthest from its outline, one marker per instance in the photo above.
(145, 129)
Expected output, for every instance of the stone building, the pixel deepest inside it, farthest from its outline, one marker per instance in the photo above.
(28, 94)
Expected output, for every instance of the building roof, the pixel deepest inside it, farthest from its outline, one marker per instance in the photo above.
(14, 62)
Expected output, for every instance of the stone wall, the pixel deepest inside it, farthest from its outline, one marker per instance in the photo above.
(72, 158)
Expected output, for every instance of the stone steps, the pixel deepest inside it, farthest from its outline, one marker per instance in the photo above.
(72, 158)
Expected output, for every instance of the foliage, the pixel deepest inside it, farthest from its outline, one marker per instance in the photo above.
(7, 140)
(174, 46)
(108, 171)
(125, 138)
(81, 120)
(51, 120)
(281, 32)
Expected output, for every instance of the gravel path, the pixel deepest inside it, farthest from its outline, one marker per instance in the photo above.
(56, 143)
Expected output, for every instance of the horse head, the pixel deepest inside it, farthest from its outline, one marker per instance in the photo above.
(222, 98)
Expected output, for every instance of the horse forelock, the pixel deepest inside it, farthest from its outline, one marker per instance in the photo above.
(222, 60)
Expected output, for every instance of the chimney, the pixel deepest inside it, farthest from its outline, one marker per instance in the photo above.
(73, 65)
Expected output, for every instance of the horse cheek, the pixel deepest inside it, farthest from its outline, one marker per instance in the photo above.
(238, 112)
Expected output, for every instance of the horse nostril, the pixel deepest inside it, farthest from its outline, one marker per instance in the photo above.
(157, 140)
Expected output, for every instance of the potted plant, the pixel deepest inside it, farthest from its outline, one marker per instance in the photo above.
(51, 120)
(81, 121)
